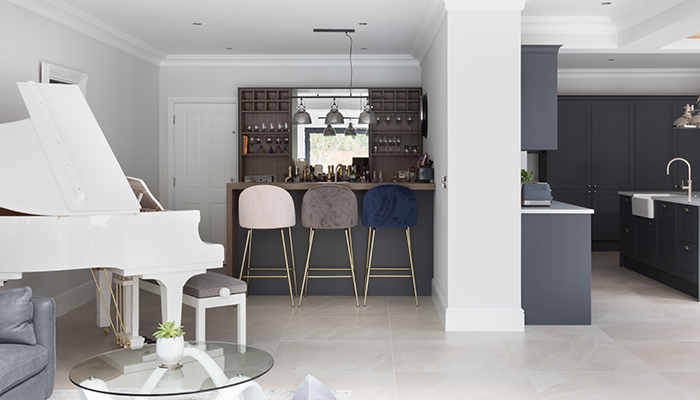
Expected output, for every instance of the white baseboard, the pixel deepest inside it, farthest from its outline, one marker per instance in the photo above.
(484, 320)
(74, 298)
(439, 301)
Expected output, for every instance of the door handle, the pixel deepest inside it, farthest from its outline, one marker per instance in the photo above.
(685, 247)
(686, 209)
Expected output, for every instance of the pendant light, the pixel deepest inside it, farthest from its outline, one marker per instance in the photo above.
(367, 116)
(301, 117)
(334, 116)
(329, 131)
(690, 118)
(350, 130)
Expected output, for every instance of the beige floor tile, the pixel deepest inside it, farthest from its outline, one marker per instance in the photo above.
(429, 327)
(405, 306)
(651, 329)
(558, 332)
(465, 385)
(666, 356)
(343, 306)
(337, 329)
(454, 356)
(604, 386)
(363, 385)
(574, 356)
(355, 356)
(688, 383)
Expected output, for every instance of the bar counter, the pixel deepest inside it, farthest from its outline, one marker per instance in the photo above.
(329, 248)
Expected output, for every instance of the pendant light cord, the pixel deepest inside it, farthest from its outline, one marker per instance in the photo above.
(350, 37)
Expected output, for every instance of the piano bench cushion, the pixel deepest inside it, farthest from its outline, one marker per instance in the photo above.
(19, 362)
(209, 284)
(16, 315)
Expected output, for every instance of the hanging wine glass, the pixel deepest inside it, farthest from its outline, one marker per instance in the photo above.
(387, 119)
(398, 123)
(409, 121)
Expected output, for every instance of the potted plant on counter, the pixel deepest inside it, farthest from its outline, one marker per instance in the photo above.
(170, 343)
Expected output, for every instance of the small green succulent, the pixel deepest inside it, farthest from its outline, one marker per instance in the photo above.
(168, 330)
(526, 176)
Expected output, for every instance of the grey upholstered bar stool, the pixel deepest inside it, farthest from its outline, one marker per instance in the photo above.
(267, 207)
(329, 207)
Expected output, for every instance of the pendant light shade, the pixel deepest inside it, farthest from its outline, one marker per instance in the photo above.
(350, 130)
(301, 117)
(367, 116)
(334, 116)
(690, 118)
(329, 131)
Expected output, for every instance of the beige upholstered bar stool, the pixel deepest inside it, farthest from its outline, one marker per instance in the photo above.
(329, 207)
(267, 207)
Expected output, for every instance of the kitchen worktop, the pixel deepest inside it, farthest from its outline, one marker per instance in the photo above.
(557, 207)
(672, 197)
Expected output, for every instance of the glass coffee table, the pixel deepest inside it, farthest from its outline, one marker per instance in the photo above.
(228, 368)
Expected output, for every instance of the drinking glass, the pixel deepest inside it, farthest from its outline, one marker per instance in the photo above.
(381, 177)
(409, 121)
(374, 177)
(398, 122)
(387, 119)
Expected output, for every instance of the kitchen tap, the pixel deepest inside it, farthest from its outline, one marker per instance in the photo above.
(690, 179)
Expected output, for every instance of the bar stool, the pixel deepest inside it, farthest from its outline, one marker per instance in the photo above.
(267, 207)
(329, 207)
(389, 206)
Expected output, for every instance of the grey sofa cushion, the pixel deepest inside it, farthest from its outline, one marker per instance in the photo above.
(19, 362)
(312, 389)
(16, 314)
(208, 285)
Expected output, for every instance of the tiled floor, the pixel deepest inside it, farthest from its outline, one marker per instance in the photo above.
(644, 344)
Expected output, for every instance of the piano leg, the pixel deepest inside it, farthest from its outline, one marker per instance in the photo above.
(104, 284)
(171, 285)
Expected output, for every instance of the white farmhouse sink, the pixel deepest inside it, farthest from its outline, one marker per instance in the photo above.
(643, 204)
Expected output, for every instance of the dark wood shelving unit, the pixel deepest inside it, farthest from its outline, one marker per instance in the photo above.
(404, 102)
(264, 113)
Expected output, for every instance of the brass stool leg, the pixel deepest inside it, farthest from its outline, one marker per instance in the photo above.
(246, 251)
(410, 257)
(369, 237)
(294, 270)
(348, 240)
(305, 280)
(286, 265)
(372, 232)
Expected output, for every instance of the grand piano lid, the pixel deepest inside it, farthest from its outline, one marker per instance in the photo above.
(58, 161)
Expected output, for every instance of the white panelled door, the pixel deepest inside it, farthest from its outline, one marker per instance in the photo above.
(205, 160)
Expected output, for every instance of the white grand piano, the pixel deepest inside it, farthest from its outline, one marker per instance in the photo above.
(65, 204)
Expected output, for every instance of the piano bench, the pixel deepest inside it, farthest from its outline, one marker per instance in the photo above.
(210, 290)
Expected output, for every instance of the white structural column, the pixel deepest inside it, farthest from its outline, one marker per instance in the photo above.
(483, 156)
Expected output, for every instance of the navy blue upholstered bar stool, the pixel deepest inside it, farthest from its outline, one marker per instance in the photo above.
(329, 207)
(389, 206)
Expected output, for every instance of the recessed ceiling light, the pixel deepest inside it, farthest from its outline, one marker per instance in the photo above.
(611, 59)
(363, 48)
(229, 48)
(606, 3)
(197, 23)
(362, 23)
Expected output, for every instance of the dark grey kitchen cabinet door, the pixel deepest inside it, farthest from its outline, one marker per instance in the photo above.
(612, 145)
(688, 148)
(569, 165)
(654, 144)
(688, 261)
(538, 97)
(665, 221)
(605, 222)
(577, 197)
(645, 240)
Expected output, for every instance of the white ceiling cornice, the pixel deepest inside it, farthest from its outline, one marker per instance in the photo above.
(580, 25)
(430, 26)
(637, 73)
(281, 60)
(481, 5)
(77, 20)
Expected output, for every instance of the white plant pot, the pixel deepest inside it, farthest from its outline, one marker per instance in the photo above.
(170, 350)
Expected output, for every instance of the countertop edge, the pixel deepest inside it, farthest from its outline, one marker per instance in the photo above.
(349, 185)
(674, 197)
(557, 207)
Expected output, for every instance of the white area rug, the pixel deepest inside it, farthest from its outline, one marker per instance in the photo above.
(269, 395)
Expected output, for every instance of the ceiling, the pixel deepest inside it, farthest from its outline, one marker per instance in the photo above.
(631, 33)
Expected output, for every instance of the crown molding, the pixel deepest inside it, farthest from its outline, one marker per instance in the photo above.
(92, 27)
(428, 31)
(580, 25)
(484, 5)
(282, 60)
(629, 73)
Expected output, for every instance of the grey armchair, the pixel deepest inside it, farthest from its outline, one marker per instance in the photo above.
(26, 371)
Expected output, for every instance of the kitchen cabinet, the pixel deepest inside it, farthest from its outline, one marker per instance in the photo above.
(538, 97)
(655, 144)
(264, 122)
(594, 160)
(665, 218)
(637, 234)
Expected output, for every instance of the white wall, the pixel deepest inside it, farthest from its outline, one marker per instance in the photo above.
(122, 92)
(434, 79)
(217, 80)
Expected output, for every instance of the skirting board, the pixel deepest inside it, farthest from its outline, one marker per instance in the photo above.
(477, 320)
(74, 298)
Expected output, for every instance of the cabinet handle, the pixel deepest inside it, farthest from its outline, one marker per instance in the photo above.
(595, 185)
(595, 191)
(627, 230)
(663, 205)
(650, 224)
(685, 247)
(686, 209)
(589, 192)
(589, 185)
(627, 199)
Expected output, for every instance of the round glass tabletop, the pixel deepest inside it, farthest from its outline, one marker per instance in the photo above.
(138, 372)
